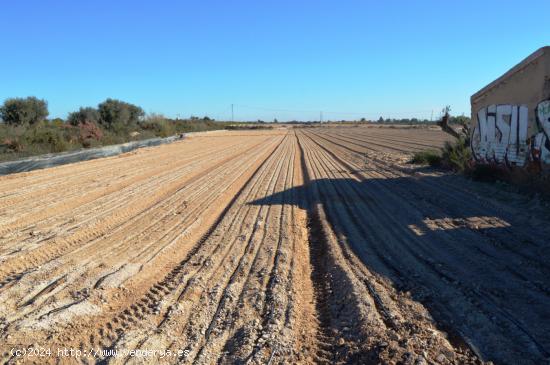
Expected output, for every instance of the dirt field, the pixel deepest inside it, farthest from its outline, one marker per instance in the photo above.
(312, 245)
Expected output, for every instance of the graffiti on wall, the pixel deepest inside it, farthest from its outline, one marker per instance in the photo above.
(541, 141)
(502, 136)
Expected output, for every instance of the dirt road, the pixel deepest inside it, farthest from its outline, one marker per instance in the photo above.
(309, 245)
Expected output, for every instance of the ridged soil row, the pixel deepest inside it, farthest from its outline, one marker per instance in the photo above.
(126, 209)
(117, 255)
(474, 276)
(196, 277)
(527, 228)
(484, 214)
(331, 282)
(179, 222)
(238, 299)
(396, 328)
(24, 182)
(414, 138)
(256, 255)
(382, 140)
(265, 333)
(74, 209)
(26, 192)
(370, 148)
(372, 145)
(92, 177)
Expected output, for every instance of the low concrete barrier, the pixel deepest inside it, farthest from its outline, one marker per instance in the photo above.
(56, 159)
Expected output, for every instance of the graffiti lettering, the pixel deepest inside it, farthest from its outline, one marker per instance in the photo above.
(541, 142)
(501, 135)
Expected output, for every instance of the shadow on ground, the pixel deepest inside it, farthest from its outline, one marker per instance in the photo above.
(480, 268)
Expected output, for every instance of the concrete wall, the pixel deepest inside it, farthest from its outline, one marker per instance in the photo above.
(511, 115)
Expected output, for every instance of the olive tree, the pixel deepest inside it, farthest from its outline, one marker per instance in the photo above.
(117, 115)
(24, 111)
(84, 116)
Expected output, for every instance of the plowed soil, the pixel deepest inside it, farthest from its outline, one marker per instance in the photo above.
(292, 245)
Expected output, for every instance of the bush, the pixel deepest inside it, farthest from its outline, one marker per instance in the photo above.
(84, 116)
(89, 134)
(119, 116)
(457, 155)
(196, 125)
(58, 122)
(158, 125)
(47, 139)
(12, 145)
(429, 157)
(247, 127)
(110, 138)
(24, 111)
(11, 140)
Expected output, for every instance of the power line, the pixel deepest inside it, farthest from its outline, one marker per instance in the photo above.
(230, 108)
(331, 112)
(276, 110)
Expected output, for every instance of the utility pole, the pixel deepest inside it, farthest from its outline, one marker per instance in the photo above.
(321, 117)
(232, 115)
(432, 117)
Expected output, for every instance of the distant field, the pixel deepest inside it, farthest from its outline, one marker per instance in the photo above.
(289, 245)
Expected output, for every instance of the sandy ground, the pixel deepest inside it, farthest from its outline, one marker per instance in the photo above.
(313, 245)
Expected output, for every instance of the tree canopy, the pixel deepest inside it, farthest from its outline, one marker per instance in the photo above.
(83, 116)
(24, 111)
(116, 114)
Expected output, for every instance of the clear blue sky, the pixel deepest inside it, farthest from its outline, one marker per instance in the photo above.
(390, 58)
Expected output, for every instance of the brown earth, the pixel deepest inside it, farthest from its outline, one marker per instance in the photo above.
(314, 245)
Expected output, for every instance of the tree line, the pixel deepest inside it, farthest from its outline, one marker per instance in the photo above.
(26, 130)
(110, 114)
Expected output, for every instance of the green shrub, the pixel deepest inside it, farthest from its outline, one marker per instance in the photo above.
(83, 116)
(11, 145)
(110, 138)
(47, 139)
(196, 125)
(158, 125)
(429, 157)
(58, 122)
(244, 126)
(457, 155)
